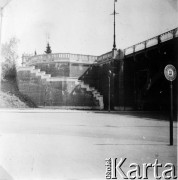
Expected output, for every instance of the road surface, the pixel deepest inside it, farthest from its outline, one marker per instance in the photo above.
(74, 145)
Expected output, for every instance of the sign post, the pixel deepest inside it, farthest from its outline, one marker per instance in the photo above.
(170, 74)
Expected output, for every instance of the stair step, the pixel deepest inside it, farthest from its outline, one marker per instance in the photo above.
(43, 72)
(95, 93)
(36, 70)
(40, 74)
(92, 88)
(45, 76)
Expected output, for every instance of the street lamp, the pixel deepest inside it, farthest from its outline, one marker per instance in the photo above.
(114, 13)
(3, 4)
(110, 75)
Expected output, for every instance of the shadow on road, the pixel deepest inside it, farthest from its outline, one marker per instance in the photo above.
(154, 115)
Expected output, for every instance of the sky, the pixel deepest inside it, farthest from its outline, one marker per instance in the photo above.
(85, 26)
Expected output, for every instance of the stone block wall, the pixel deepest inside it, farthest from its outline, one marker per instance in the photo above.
(76, 70)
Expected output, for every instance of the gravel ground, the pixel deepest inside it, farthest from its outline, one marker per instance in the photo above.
(8, 100)
(10, 97)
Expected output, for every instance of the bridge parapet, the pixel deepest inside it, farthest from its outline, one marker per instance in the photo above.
(152, 42)
(59, 57)
(105, 56)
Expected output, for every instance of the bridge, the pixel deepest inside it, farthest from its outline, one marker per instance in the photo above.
(136, 74)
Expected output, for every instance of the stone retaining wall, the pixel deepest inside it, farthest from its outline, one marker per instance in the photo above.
(45, 90)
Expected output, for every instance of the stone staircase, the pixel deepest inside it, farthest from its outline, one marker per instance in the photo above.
(38, 72)
(48, 78)
(95, 93)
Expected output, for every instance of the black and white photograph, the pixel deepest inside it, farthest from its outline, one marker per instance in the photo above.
(88, 89)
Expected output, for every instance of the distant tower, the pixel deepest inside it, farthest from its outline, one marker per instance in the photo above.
(35, 53)
(48, 49)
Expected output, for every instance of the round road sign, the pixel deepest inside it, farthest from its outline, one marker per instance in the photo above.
(170, 72)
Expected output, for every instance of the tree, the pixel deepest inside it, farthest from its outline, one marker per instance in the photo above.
(48, 49)
(10, 56)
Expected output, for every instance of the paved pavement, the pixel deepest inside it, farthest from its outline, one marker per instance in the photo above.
(41, 145)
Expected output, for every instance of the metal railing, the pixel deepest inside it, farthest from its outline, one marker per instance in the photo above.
(152, 42)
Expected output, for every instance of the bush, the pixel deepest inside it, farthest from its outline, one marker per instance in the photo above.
(8, 71)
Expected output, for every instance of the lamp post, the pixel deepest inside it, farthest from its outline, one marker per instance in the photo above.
(1, 18)
(109, 90)
(114, 48)
(114, 40)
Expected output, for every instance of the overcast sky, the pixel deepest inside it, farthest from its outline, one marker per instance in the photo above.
(85, 26)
